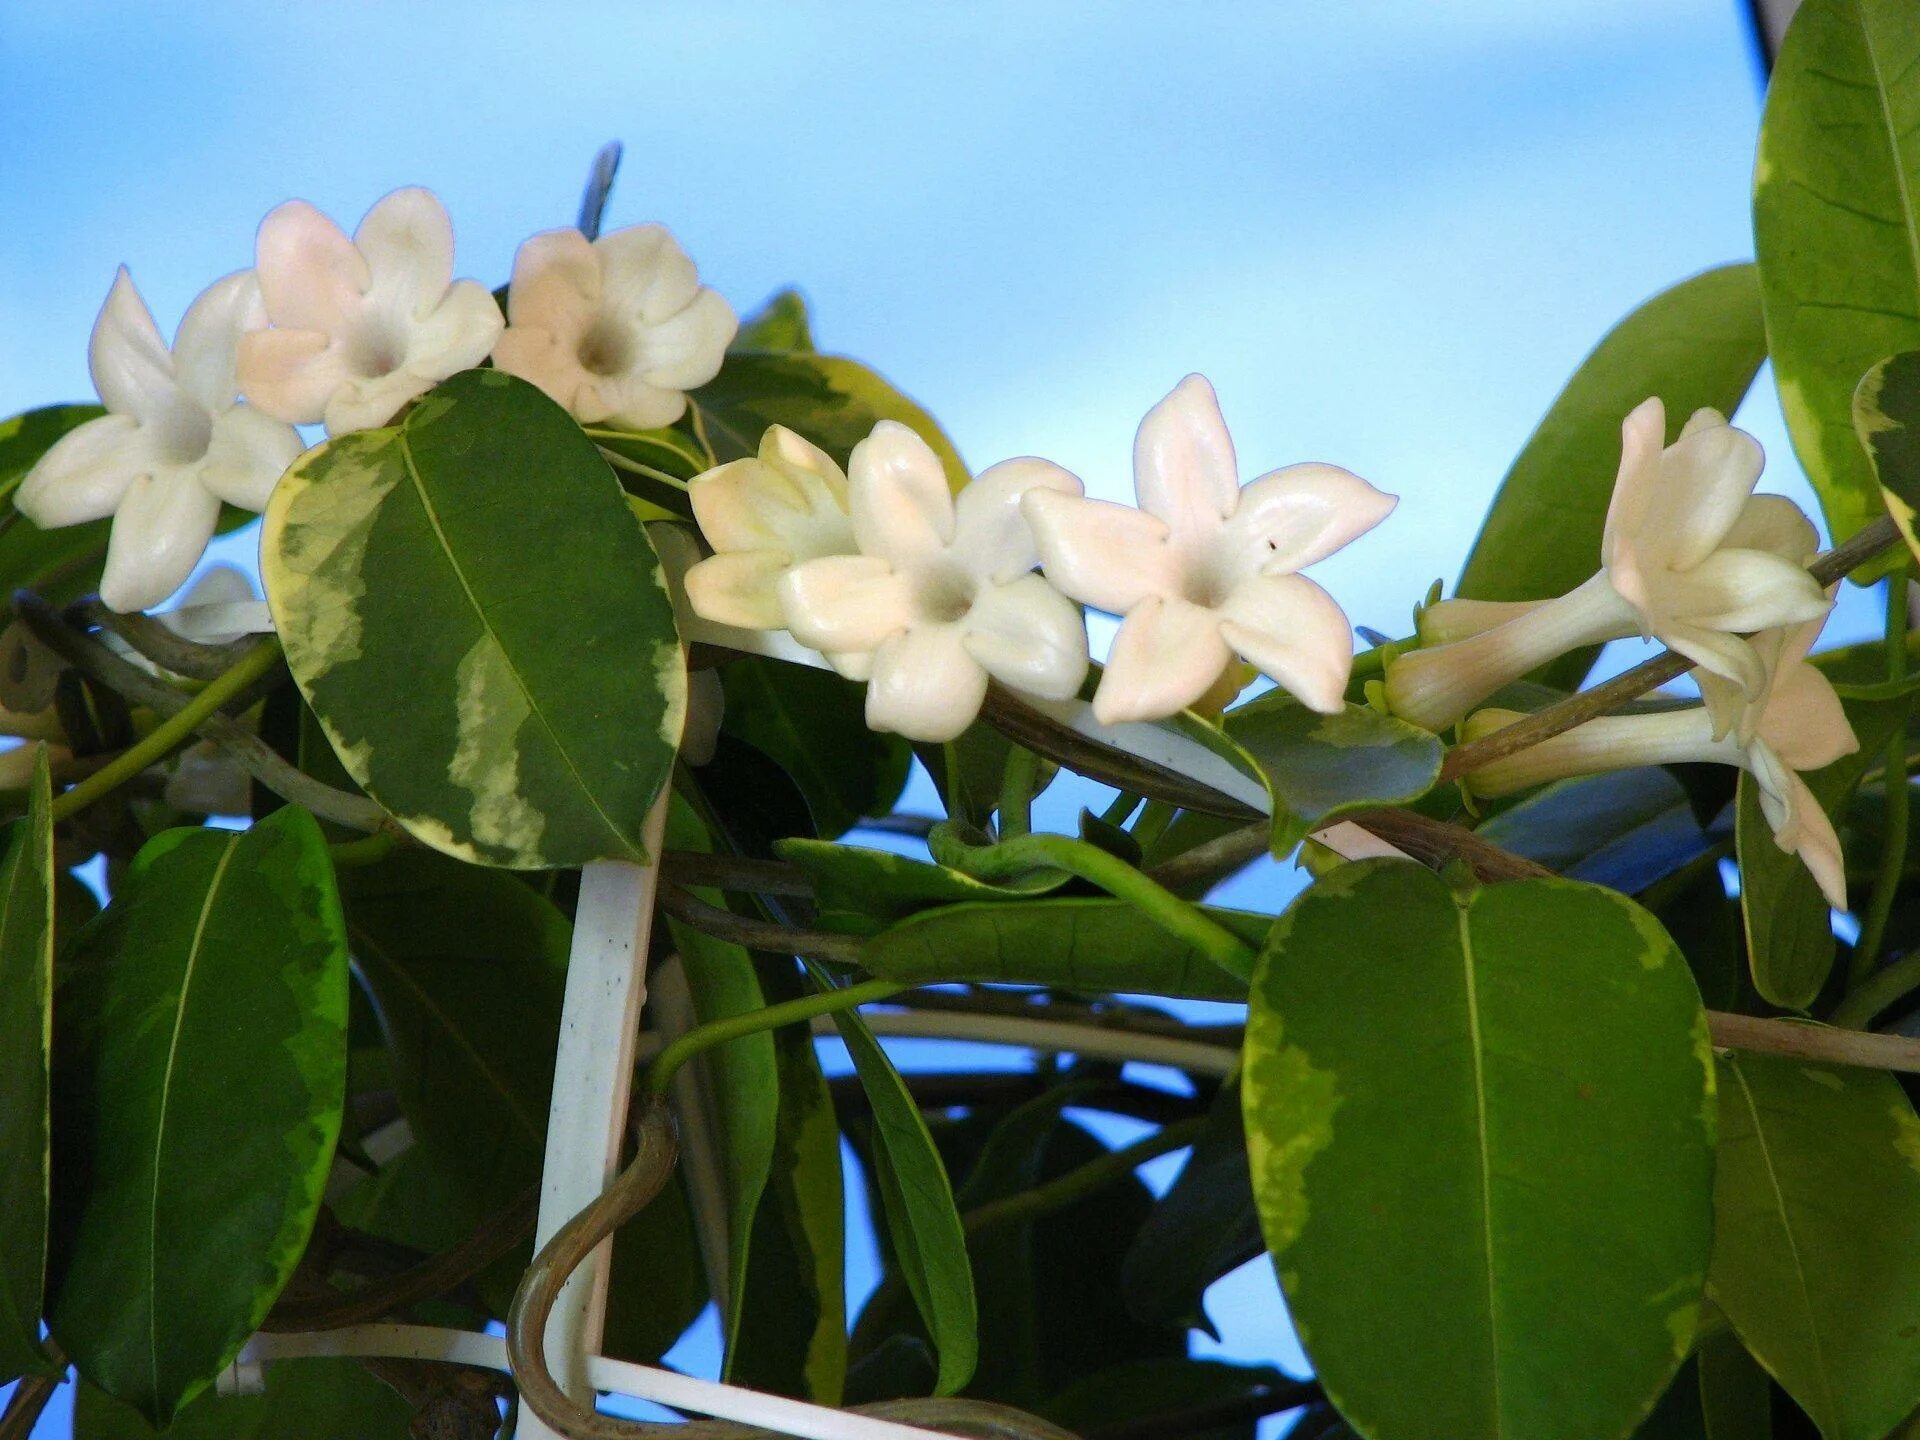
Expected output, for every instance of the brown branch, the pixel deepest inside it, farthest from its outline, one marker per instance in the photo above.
(1829, 1044)
(758, 934)
(30, 1397)
(734, 872)
(153, 639)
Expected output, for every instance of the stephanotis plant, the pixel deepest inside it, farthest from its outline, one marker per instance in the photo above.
(556, 781)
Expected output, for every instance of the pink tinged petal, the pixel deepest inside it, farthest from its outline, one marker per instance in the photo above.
(368, 404)
(925, 685)
(991, 536)
(1290, 518)
(1706, 479)
(1717, 652)
(1643, 434)
(897, 493)
(159, 534)
(1166, 655)
(845, 602)
(537, 357)
(1742, 591)
(1030, 636)
(132, 370)
(84, 473)
(1705, 418)
(635, 403)
(685, 351)
(1775, 524)
(1800, 825)
(1184, 468)
(407, 240)
(1459, 618)
(247, 456)
(555, 285)
(291, 374)
(311, 276)
(206, 348)
(1295, 634)
(1804, 721)
(645, 274)
(739, 588)
(1109, 556)
(457, 335)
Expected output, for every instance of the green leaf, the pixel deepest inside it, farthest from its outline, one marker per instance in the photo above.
(26, 1035)
(304, 1400)
(813, 725)
(1320, 767)
(1697, 344)
(1886, 416)
(667, 451)
(481, 555)
(780, 324)
(923, 1224)
(1836, 230)
(468, 969)
(1125, 1395)
(1091, 946)
(1736, 1400)
(205, 1076)
(1789, 927)
(1624, 830)
(832, 401)
(860, 889)
(1816, 1258)
(1456, 1121)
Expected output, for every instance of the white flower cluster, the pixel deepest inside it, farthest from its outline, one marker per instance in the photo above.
(927, 595)
(1692, 557)
(345, 331)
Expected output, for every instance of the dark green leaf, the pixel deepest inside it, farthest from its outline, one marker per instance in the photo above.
(1736, 1398)
(1456, 1121)
(860, 889)
(1095, 947)
(812, 724)
(481, 555)
(1132, 1394)
(467, 968)
(832, 401)
(780, 324)
(1320, 767)
(1789, 927)
(1816, 1257)
(1886, 416)
(1836, 230)
(929, 1246)
(1623, 830)
(205, 1076)
(26, 1020)
(304, 1400)
(1697, 344)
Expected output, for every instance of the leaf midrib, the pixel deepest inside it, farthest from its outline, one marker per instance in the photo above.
(1907, 218)
(1474, 1040)
(166, 1096)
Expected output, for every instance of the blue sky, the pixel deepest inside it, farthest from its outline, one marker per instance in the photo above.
(1387, 231)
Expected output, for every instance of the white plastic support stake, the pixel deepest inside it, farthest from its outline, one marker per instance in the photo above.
(593, 1072)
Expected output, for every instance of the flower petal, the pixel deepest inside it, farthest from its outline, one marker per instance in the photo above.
(539, 357)
(206, 347)
(1108, 556)
(367, 404)
(458, 334)
(1706, 479)
(1643, 434)
(645, 274)
(897, 492)
(84, 473)
(1029, 635)
(740, 588)
(291, 374)
(1775, 524)
(1288, 519)
(1294, 632)
(132, 370)
(1448, 620)
(845, 602)
(1184, 468)
(1718, 653)
(631, 401)
(159, 534)
(1742, 591)
(925, 685)
(1800, 825)
(555, 285)
(311, 275)
(1804, 721)
(685, 351)
(407, 241)
(991, 537)
(247, 456)
(1165, 656)
(757, 505)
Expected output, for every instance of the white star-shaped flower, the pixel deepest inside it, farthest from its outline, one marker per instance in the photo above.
(173, 445)
(361, 326)
(616, 329)
(1206, 570)
(942, 593)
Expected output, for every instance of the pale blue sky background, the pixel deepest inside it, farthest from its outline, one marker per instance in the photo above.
(1386, 230)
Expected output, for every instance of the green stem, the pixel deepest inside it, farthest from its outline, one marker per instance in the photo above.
(634, 467)
(1078, 1183)
(1878, 991)
(170, 734)
(1179, 919)
(789, 1012)
(1122, 808)
(367, 850)
(1016, 792)
(1893, 853)
(1153, 823)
